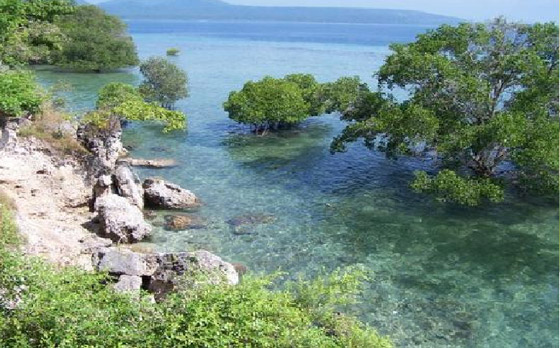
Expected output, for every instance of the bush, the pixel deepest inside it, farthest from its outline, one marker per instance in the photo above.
(173, 52)
(268, 104)
(120, 101)
(164, 82)
(18, 94)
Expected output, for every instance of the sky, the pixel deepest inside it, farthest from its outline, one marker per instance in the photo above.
(519, 10)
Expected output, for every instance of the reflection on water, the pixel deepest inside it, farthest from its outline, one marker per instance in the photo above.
(443, 276)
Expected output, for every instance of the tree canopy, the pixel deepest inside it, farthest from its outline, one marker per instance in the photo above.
(483, 103)
(27, 32)
(273, 103)
(95, 41)
(164, 82)
(58, 32)
(124, 102)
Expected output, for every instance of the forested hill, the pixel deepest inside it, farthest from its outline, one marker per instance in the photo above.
(219, 10)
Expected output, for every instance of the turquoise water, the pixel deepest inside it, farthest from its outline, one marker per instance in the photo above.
(443, 276)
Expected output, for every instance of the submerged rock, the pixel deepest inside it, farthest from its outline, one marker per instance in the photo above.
(121, 221)
(128, 185)
(251, 219)
(182, 222)
(150, 214)
(159, 193)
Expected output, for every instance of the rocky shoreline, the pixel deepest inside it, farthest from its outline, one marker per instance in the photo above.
(86, 211)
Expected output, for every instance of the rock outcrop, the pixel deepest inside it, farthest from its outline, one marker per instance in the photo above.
(106, 147)
(121, 221)
(161, 273)
(159, 193)
(128, 185)
(149, 163)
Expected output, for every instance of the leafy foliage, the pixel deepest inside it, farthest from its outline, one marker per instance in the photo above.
(78, 309)
(26, 30)
(164, 82)
(122, 101)
(447, 186)
(483, 101)
(273, 103)
(95, 41)
(19, 94)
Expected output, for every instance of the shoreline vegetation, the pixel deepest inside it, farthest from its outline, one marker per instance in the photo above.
(492, 104)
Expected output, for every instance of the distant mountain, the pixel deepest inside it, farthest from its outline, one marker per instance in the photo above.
(219, 10)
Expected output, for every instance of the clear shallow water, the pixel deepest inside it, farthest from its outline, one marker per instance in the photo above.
(443, 276)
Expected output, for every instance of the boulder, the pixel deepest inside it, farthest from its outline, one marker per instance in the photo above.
(150, 163)
(125, 262)
(121, 221)
(102, 187)
(159, 193)
(163, 272)
(128, 283)
(172, 266)
(208, 262)
(128, 185)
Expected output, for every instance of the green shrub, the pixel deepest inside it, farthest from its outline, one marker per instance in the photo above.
(120, 101)
(448, 186)
(19, 94)
(173, 52)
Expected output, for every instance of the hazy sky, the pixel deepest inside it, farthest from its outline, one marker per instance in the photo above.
(523, 10)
